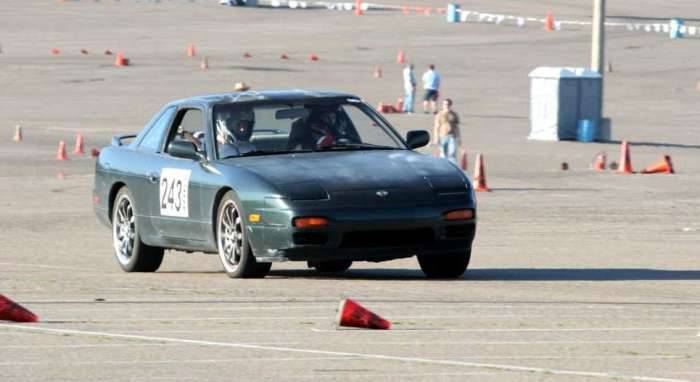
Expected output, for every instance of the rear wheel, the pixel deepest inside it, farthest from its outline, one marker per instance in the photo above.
(332, 266)
(130, 252)
(448, 266)
(232, 241)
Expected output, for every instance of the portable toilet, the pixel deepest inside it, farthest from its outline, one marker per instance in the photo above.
(560, 98)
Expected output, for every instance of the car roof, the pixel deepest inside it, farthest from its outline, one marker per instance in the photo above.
(262, 95)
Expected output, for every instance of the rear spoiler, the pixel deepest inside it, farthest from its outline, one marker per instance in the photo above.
(117, 139)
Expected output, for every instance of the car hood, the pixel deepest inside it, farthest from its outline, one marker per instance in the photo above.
(353, 172)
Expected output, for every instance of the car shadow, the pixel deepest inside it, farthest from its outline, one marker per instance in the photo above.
(505, 274)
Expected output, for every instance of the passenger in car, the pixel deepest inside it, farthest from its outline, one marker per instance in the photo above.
(317, 131)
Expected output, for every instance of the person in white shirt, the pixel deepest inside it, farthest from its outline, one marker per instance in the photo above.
(431, 85)
(409, 86)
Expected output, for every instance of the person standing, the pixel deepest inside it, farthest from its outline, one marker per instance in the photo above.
(409, 85)
(446, 131)
(431, 85)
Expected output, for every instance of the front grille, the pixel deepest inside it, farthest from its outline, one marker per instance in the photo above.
(310, 238)
(388, 238)
(460, 231)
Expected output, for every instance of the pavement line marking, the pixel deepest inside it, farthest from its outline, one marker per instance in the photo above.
(503, 367)
(498, 330)
(139, 361)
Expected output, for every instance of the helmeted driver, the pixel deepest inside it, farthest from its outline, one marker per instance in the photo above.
(233, 134)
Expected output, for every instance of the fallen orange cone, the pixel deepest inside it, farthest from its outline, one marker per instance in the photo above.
(12, 311)
(480, 175)
(352, 314)
(247, 55)
(663, 167)
(625, 160)
(284, 56)
(313, 57)
(121, 60)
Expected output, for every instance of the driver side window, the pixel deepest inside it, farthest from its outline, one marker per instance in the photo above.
(188, 126)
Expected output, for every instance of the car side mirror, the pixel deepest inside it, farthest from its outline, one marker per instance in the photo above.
(417, 138)
(183, 149)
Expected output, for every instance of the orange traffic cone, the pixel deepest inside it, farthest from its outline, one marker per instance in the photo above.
(55, 51)
(313, 57)
(358, 7)
(108, 52)
(625, 161)
(377, 71)
(79, 145)
(191, 52)
(463, 162)
(121, 60)
(352, 314)
(549, 22)
(205, 63)
(663, 167)
(480, 175)
(400, 58)
(61, 154)
(12, 311)
(83, 51)
(18, 134)
(94, 153)
(600, 160)
(247, 55)
(284, 56)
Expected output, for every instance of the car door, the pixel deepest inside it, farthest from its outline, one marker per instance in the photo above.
(176, 186)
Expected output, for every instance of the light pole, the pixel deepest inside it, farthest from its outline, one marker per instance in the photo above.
(598, 43)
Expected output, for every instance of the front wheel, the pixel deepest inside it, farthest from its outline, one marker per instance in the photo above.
(132, 254)
(232, 242)
(448, 266)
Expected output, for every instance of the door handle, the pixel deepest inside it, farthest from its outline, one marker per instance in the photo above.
(153, 177)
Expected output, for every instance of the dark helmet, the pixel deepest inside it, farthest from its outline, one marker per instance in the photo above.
(238, 127)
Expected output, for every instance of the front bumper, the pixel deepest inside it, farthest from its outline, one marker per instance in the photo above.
(367, 235)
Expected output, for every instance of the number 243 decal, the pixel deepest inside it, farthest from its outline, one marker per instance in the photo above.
(174, 192)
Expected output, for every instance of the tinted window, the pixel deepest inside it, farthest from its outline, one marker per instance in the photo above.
(151, 141)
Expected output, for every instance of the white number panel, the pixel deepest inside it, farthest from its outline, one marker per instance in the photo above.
(174, 192)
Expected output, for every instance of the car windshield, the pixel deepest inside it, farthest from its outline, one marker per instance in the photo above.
(247, 129)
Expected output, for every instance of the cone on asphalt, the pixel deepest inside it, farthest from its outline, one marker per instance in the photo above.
(284, 56)
(55, 51)
(12, 311)
(480, 175)
(549, 22)
(205, 63)
(377, 71)
(61, 154)
(108, 52)
(191, 51)
(625, 160)
(463, 161)
(664, 166)
(247, 55)
(600, 160)
(352, 314)
(18, 134)
(313, 57)
(358, 7)
(79, 144)
(121, 60)
(400, 57)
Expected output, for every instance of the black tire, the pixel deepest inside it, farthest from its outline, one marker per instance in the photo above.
(448, 266)
(333, 266)
(131, 254)
(232, 242)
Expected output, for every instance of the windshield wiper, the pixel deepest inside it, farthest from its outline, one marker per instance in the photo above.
(264, 152)
(356, 146)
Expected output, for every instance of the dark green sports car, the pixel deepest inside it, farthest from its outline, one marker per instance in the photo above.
(259, 177)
